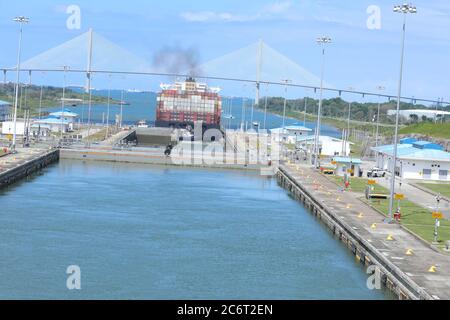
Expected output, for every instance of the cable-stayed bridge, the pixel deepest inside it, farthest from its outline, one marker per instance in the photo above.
(257, 64)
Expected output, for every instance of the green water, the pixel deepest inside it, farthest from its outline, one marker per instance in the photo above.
(145, 232)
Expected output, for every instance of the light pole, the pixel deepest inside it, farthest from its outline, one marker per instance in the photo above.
(286, 81)
(230, 111)
(265, 111)
(322, 41)
(347, 135)
(63, 100)
(107, 110)
(304, 112)
(379, 88)
(121, 108)
(21, 20)
(404, 9)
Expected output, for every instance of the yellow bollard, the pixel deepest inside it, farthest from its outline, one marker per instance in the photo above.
(432, 269)
(349, 206)
(390, 237)
(373, 226)
(409, 252)
(360, 215)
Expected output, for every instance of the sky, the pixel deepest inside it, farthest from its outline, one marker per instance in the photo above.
(364, 53)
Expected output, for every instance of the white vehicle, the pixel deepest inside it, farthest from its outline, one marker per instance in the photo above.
(376, 173)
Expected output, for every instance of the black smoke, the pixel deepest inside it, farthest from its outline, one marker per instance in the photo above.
(177, 60)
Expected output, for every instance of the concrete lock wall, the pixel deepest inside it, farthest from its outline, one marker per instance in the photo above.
(26, 169)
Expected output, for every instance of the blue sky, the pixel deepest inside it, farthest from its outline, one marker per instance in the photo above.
(358, 57)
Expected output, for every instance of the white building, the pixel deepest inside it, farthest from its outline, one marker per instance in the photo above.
(328, 146)
(290, 134)
(8, 128)
(67, 115)
(347, 166)
(420, 160)
(5, 108)
(55, 124)
(429, 113)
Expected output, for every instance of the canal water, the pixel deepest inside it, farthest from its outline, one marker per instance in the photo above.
(149, 232)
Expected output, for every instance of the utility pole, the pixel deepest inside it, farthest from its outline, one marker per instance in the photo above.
(379, 88)
(63, 100)
(286, 81)
(89, 80)
(304, 112)
(107, 110)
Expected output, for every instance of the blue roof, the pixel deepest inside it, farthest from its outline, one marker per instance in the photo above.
(299, 128)
(347, 160)
(64, 114)
(427, 145)
(408, 151)
(427, 154)
(408, 140)
(4, 103)
(52, 121)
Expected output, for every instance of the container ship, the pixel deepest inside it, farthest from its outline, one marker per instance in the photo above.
(182, 104)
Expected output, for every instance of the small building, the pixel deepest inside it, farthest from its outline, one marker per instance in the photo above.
(328, 146)
(420, 114)
(290, 134)
(420, 160)
(5, 110)
(67, 115)
(40, 130)
(347, 166)
(55, 124)
(8, 128)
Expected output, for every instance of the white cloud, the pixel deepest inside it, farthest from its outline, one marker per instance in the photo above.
(205, 16)
(277, 8)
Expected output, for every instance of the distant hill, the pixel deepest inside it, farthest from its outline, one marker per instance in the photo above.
(338, 108)
(431, 129)
(335, 112)
(30, 96)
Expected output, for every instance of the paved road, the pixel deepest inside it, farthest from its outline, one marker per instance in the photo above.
(370, 226)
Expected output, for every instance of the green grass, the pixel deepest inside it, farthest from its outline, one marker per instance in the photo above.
(414, 217)
(418, 220)
(438, 130)
(98, 136)
(442, 188)
(357, 184)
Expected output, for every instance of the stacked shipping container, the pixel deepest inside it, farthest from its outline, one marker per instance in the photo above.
(184, 103)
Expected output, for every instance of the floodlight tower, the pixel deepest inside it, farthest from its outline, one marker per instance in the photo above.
(322, 41)
(21, 20)
(403, 9)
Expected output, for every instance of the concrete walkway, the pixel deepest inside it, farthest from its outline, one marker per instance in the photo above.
(419, 262)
